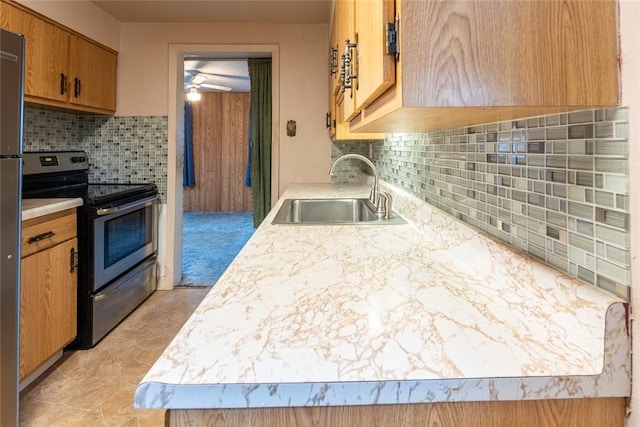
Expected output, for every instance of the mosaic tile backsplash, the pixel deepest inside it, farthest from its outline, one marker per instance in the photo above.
(120, 149)
(556, 187)
(349, 171)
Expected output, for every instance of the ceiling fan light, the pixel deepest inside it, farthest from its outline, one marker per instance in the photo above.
(193, 95)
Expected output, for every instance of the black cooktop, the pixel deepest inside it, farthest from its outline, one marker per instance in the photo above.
(65, 174)
(103, 194)
(94, 194)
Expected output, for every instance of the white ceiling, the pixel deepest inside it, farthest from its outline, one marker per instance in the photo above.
(218, 11)
(232, 74)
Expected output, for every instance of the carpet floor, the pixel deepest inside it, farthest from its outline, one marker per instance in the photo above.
(211, 240)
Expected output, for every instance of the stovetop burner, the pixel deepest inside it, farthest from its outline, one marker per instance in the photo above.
(65, 174)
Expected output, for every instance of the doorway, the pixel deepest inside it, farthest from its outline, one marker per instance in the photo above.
(171, 274)
(217, 203)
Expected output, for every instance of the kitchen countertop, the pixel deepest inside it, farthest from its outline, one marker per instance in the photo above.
(33, 208)
(429, 311)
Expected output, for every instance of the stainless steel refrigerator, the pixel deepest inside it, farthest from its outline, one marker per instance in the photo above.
(11, 106)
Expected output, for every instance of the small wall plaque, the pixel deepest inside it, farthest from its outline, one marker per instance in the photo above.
(291, 128)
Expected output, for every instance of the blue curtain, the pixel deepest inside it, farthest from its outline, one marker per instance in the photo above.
(189, 178)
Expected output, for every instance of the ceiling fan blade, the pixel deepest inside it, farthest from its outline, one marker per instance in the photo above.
(218, 87)
(197, 79)
(217, 75)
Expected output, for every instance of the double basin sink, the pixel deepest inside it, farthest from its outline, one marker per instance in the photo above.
(332, 211)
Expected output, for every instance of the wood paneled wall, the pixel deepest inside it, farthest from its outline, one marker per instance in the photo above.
(220, 146)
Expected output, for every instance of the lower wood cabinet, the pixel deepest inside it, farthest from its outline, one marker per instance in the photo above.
(608, 411)
(48, 293)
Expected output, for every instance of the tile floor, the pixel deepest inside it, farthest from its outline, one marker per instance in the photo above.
(95, 387)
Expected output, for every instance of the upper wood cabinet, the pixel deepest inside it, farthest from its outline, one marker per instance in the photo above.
(470, 62)
(342, 106)
(375, 68)
(94, 75)
(334, 82)
(345, 26)
(62, 69)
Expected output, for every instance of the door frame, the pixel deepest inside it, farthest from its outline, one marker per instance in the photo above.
(171, 242)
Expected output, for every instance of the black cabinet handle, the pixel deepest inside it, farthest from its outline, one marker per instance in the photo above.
(328, 120)
(73, 260)
(39, 237)
(77, 87)
(63, 83)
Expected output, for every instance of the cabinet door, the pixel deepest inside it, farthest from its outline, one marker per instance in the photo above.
(93, 75)
(344, 104)
(47, 305)
(46, 53)
(334, 73)
(376, 69)
(345, 20)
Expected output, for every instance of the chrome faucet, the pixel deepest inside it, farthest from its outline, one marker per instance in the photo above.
(374, 197)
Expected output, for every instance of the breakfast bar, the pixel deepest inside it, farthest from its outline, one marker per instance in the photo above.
(403, 324)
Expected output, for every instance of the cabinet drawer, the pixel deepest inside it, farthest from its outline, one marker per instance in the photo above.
(46, 231)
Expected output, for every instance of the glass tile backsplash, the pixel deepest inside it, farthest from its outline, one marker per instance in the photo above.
(349, 171)
(556, 187)
(120, 149)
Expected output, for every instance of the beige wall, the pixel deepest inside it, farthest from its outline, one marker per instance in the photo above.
(143, 82)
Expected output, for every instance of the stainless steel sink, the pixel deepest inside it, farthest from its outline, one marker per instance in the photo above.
(331, 211)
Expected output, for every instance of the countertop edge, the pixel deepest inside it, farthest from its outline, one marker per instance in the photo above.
(35, 208)
(612, 382)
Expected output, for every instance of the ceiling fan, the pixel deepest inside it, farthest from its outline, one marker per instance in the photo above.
(198, 80)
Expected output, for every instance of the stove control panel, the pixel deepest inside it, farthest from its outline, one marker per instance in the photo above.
(46, 161)
(40, 162)
(78, 159)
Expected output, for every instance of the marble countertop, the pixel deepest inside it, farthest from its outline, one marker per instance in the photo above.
(34, 208)
(422, 312)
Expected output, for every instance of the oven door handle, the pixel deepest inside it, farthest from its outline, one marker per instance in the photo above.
(116, 209)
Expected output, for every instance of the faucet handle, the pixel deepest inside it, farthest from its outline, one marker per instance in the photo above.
(386, 208)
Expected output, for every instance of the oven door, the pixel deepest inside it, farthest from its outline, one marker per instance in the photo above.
(123, 237)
